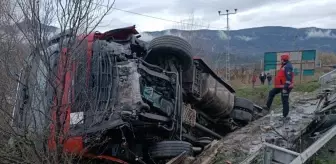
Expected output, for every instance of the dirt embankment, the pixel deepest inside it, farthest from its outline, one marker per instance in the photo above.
(247, 141)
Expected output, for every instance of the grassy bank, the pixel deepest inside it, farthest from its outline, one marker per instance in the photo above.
(306, 87)
(259, 94)
(326, 155)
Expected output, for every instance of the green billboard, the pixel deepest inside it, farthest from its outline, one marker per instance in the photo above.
(302, 61)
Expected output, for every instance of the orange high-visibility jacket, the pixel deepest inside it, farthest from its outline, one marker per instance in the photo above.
(285, 76)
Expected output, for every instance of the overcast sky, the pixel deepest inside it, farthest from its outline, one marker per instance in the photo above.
(251, 13)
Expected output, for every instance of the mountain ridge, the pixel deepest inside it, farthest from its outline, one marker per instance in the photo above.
(246, 28)
(246, 45)
(251, 43)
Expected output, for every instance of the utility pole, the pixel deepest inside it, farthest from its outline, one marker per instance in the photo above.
(227, 74)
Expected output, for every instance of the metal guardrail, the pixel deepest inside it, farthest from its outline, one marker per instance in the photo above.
(328, 80)
(317, 145)
(282, 155)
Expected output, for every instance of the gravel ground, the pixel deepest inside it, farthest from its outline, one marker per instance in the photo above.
(238, 145)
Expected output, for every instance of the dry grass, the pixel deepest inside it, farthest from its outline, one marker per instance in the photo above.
(327, 58)
(242, 77)
(259, 94)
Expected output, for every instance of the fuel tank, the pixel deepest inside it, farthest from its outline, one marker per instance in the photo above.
(216, 104)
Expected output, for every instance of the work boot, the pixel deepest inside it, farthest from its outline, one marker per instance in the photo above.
(265, 110)
(285, 119)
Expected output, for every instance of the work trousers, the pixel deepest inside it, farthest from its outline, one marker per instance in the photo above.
(262, 82)
(269, 82)
(284, 99)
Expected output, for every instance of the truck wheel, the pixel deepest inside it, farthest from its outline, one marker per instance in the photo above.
(166, 47)
(204, 141)
(169, 149)
(241, 115)
(243, 103)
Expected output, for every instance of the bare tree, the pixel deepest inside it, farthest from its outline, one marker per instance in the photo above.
(29, 50)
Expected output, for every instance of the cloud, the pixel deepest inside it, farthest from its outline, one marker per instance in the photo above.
(298, 14)
(244, 38)
(251, 13)
(174, 33)
(113, 23)
(315, 33)
(222, 35)
(146, 37)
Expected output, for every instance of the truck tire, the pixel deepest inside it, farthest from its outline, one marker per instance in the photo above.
(241, 115)
(204, 141)
(169, 149)
(170, 46)
(244, 104)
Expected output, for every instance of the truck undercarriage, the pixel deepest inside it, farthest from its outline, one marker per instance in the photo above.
(137, 102)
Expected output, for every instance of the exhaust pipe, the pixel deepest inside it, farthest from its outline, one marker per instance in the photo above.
(204, 129)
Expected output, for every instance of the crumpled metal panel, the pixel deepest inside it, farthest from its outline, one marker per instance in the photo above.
(129, 94)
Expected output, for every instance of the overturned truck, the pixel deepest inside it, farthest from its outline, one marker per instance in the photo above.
(128, 101)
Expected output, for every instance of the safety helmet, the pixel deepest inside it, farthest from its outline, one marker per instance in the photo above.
(285, 57)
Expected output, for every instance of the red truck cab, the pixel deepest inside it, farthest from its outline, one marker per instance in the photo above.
(75, 144)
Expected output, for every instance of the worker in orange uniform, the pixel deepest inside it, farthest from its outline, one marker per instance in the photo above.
(283, 83)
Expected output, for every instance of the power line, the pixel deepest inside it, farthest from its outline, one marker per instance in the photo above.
(159, 18)
(164, 19)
